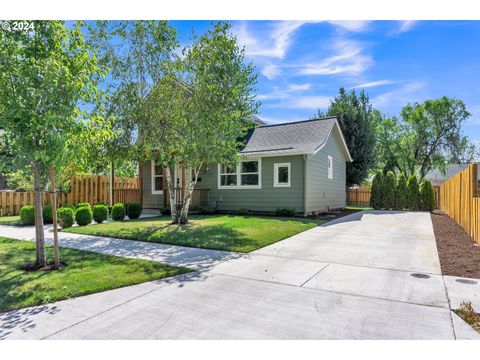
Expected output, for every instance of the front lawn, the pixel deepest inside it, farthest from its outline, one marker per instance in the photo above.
(85, 273)
(222, 232)
(10, 220)
(358, 207)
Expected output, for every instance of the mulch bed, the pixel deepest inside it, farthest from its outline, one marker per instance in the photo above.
(457, 251)
(333, 214)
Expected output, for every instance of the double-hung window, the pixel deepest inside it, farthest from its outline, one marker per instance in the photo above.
(157, 179)
(245, 175)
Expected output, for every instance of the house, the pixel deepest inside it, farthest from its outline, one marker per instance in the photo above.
(437, 177)
(299, 165)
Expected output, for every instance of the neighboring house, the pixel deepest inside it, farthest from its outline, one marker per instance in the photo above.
(299, 165)
(437, 177)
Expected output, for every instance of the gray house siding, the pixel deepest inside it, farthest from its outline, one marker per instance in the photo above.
(321, 192)
(152, 201)
(268, 198)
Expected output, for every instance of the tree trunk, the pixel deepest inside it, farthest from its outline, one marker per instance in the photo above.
(188, 198)
(39, 235)
(171, 194)
(112, 184)
(54, 217)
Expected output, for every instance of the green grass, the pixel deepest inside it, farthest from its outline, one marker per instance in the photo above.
(85, 273)
(10, 220)
(356, 207)
(222, 232)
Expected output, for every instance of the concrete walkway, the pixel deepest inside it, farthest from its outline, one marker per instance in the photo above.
(371, 275)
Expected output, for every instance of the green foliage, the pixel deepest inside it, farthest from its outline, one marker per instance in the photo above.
(429, 136)
(165, 211)
(376, 196)
(47, 214)
(71, 206)
(118, 212)
(83, 216)
(244, 211)
(427, 196)
(413, 194)
(134, 210)
(389, 187)
(356, 119)
(401, 192)
(66, 217)
(83, 204)
(207, 211)
(100, 213)
(285, 212)
(27, 215)
(20, 180)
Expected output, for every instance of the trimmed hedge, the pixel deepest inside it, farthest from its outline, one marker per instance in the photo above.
(27, 215)
(389, 186)
(134, 210)
(84, 204)
(47, 214)
(427, 196)
(100, 213)
(83, 216)
(165, 211)
(376, 196)
(285, 212)
(413, 193)
(66, 217)
(118, 212)
(401, 193)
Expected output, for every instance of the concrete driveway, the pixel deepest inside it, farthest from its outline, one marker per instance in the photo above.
(370, 275)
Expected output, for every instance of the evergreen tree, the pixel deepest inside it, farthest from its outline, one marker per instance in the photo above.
(401, 193)
(413, 193)
(427, 196)
(376, 198)
(389, 187)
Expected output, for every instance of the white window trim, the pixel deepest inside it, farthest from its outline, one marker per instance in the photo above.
(330, 167)
(275, 175)
(239, 177)
(155, 192)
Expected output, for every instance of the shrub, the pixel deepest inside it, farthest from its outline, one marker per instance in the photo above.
(376, 196)
(65, 216)
(286, 212)
(427, 196)
(413, 193)
(165, 211)
(47, 214)
(206, 211)
(401, 192)
(118, 212)
(71, 206)
(84, 204)
(27, 215)
(100, 213)
(83, 216)
(245, 211)
(134, 210)
(389, 186)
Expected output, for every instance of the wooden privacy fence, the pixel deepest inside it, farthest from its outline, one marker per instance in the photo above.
(89, 188)
(358, 196)
(199, 198)
(459, 199)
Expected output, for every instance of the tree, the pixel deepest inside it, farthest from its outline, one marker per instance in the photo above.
(198, 112)
(401, 192)
(376, 197)
(427, 196)
(429, 136)
(45, 74)
(389, 186)
(413, 193)
(356, 118)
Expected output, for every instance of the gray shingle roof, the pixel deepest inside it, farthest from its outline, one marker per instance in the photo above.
(302, 137)
(437, 177)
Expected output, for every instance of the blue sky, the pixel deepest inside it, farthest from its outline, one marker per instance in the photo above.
(302, 65)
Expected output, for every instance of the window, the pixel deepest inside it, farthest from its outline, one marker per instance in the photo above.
(330, 167)
(246, 174)
(157, 179)
(281, 175)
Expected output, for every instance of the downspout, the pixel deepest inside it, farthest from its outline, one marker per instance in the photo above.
(305, 174)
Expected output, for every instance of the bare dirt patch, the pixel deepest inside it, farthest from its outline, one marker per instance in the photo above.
(459, 256)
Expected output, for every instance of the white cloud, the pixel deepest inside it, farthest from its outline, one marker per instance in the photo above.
(271, 71)
(351, 25)
(274, 45)
(284, 93)
(475, 111)
(348, 59)
(308, 102)
(374, 83)
(406, 25)
(402, 95)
